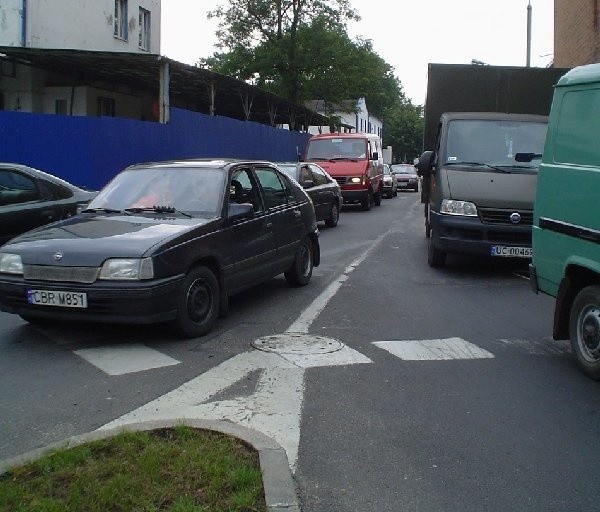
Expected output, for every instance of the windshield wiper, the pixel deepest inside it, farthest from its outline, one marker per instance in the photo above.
(157, 209)
(480, 164)
(105, 210)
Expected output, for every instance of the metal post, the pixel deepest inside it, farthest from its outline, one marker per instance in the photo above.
(529, 34)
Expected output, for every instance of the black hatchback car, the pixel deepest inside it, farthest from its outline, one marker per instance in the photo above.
(30, 198)
(164, 242)
(324, 191)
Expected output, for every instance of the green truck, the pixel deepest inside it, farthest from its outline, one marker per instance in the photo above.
(566, 223)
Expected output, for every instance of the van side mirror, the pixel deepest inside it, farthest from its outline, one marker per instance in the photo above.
(375, 156)
(425, 163)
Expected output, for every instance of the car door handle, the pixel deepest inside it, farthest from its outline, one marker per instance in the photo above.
(297, 213)
(269, 225)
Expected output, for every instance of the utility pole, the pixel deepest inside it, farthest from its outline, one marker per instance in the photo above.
(529, 34)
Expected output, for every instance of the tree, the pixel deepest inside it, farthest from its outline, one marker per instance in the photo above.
(268, 31)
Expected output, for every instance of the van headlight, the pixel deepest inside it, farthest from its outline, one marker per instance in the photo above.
(11, 263)
(355, 179)
(127, 269)
(453, 207)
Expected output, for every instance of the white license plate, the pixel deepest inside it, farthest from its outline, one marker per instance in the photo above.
(403, 184)
(59, 298)
(511, 252)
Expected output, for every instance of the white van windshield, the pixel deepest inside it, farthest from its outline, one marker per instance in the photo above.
(338, 148)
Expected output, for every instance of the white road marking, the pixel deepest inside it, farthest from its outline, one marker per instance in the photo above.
(434, 350)
(126, 358)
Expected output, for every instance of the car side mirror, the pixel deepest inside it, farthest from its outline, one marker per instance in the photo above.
(375, 156)
(308, 184)
(238, 211)
(425, 163)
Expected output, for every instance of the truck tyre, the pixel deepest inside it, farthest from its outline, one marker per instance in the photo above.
(427, 221)
(584, 330)
(435, 257)
(198, 303)
(367, 201)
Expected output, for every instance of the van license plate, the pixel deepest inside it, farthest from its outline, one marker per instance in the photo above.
(511, 252)
(58, 298)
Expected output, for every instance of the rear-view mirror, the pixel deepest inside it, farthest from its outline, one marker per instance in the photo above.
(425, 163)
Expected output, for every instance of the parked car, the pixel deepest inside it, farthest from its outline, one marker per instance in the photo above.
(406, 176)
(325, 192)
(390, 184)
(30, 198)
(199, 232)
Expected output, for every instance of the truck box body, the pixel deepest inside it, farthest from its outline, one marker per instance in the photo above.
(478, 191)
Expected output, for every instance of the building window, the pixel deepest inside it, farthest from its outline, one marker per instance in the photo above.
(60, 107)
(106, 107)
(121, 19)
(144, 22)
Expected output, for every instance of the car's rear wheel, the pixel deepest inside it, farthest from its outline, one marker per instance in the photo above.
(301, 269)
(377, 198)
(584, 330)
(198, 303)
(334, 216)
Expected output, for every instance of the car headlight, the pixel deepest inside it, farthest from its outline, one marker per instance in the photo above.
(122, 269)
(11, 263)
(355, 179)
(452, 207)
(387, 179)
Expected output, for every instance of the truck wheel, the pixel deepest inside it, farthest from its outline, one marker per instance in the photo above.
(377, 198)
(300, 271)
(584, 330)
(367, 201)
(435, 257)
(198, 303)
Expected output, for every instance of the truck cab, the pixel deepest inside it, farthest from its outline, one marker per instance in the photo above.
(478, 194)
(566, 223)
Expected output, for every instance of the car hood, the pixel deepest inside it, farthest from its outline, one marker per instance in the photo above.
(492, 189)
(343, 167)
(88, 240)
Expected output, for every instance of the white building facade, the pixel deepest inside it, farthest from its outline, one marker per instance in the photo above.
(98, 25)
(353, 114)
(131, 26)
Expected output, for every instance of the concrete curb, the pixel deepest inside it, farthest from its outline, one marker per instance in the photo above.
(280, 491)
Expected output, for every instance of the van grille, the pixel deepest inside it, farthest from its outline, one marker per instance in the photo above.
(492, 216)
(54, 273)
(342, 180)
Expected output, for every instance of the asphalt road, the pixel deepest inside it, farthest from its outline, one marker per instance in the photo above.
(448, 394)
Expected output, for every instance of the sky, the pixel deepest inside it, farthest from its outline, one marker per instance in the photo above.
(407, 34)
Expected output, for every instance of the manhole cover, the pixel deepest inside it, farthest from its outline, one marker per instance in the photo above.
(297, 343)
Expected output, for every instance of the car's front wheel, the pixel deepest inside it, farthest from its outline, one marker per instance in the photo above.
(198, 303)
(584, 330)
(435, 257)
(334, 216)
(301, 269)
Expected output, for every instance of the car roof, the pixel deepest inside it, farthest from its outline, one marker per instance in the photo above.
(42, 174)
(222, 163)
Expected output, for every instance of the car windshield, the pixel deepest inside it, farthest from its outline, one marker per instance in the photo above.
(194, 191)
(494, 142)
(337, 148)
(404, 169)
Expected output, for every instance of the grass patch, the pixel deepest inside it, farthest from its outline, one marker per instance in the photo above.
(179, 469)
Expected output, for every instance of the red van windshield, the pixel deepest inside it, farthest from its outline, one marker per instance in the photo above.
(338, 148)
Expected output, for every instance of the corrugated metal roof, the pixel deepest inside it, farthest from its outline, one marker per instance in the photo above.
(190, 87)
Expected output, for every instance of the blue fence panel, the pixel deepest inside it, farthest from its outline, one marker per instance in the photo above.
(91, 150)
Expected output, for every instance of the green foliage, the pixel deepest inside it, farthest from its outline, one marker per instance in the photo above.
(300, 50)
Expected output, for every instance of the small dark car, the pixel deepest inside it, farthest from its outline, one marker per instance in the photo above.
(164, 242)
(30, 198)
(406, 176)
(324, 191)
